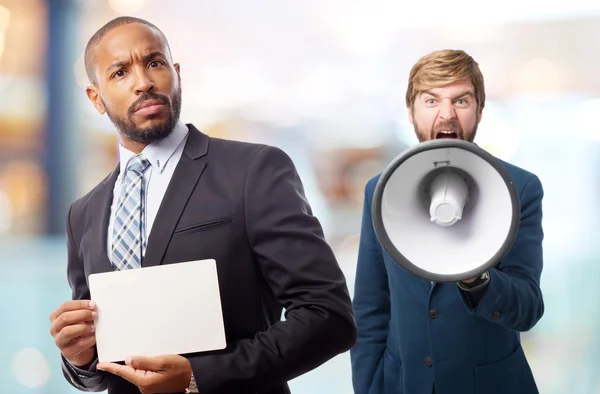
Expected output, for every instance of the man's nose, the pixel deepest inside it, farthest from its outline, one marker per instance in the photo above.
(143, 82)
(447, 111)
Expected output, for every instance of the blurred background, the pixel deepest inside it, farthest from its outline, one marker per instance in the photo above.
(323, 80)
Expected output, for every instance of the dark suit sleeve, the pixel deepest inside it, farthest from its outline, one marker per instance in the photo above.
(512, 296)
(302, 271)
(371, 306)
(474, 295)
(87, 378)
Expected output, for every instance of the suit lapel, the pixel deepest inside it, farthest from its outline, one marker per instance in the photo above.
(184, 181)
(101, 205)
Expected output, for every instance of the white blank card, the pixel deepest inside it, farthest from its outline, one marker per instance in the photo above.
(166, 309)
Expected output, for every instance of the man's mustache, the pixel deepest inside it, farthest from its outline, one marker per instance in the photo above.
(145, 97)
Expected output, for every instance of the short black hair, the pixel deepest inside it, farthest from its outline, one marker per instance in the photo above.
(90, 67)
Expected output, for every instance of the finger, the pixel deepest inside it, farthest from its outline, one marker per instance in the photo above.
(78, 346)
(138, 377)
(123, 371)
(72, 306)
(155, 364)
(71, 318)
(69, 333)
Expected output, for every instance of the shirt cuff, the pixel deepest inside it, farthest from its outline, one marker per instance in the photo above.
(192, 388)
(84, 372)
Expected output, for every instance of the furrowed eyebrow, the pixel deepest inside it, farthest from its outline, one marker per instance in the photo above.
(117, 65)
(151, 55)
(464, 94)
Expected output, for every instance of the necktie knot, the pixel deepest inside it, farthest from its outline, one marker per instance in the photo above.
(138, 163)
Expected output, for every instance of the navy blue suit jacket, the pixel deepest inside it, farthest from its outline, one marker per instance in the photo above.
(412, 335)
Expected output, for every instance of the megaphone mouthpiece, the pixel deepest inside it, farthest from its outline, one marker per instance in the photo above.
(448, 194)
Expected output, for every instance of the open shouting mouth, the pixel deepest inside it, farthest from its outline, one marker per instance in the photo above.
(446, 134)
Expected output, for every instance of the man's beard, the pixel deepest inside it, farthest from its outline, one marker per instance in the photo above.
(446, 125)
(126, 126)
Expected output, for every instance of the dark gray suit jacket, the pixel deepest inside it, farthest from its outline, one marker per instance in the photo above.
(243, 205)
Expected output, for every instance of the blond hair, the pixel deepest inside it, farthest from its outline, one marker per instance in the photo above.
(441, 68)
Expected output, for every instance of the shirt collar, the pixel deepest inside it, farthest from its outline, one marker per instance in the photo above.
(157, 153)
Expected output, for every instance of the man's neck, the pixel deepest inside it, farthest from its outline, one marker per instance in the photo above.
(133, 146)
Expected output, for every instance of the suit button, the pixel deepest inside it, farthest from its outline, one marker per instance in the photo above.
(428, 362)
(433, 313)
(495, 315)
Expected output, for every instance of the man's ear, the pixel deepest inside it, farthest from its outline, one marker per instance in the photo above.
(178, 71)
(410, 115)
(92, 93)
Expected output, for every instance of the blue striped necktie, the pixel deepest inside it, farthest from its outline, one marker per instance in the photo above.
(128, 242)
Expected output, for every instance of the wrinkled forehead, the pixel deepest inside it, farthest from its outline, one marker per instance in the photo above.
(126, 42)
(452, 90)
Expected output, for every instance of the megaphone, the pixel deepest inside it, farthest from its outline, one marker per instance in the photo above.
(446, 210)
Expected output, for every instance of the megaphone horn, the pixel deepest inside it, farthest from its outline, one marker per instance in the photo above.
(446, 210)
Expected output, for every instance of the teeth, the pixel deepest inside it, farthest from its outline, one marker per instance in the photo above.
(446, 132)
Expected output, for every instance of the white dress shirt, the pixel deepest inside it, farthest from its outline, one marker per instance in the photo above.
(163, 156)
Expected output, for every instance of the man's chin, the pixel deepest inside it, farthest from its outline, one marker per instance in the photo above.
(149, 134)
(455, 136)
(149, 121)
